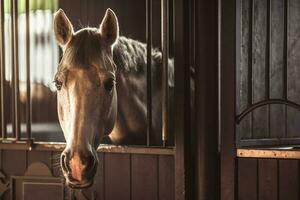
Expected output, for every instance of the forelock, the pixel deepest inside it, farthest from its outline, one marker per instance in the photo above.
(85, 49)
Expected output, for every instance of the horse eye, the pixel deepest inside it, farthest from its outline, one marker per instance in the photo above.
(58, 84)
(109, 84)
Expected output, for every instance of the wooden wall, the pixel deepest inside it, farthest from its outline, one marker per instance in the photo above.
(268, 179)
(119, 176)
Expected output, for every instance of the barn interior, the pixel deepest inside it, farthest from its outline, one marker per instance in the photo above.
(229, 124)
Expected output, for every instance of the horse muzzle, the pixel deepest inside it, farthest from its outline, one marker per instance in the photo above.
(79, 169)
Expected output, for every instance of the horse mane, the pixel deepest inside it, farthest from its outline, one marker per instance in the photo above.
(130, 56)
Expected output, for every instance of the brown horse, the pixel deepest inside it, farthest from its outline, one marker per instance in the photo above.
(101, 87)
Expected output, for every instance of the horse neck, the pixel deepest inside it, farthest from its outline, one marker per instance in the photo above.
(132, 111)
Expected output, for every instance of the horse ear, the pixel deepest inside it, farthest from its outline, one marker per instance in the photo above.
(109, 27)
(63, 28)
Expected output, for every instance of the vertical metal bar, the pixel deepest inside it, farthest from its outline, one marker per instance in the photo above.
(285, 61)
(12, 70)
(285, 50)
(28, 88)
(250, 52)
(15, 58)
(2, 71)
(268, 53)
(165, 58)
(149, 64)
(268, 63)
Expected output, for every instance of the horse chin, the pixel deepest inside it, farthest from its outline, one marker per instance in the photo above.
(79, 185)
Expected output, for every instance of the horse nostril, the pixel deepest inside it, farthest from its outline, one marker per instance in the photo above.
(91, 163)
(64, 163)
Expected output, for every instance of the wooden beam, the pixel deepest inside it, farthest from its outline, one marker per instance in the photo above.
(48, 146)
(268, 153)
(227, 97)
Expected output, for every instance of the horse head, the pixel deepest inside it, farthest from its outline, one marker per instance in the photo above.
(86, 93)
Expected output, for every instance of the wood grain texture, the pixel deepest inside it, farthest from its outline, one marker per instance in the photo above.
(247, 179)
(117, 175)
(268, 179)
(244, 129)
(260, 115)
(288, 179)
(166, 178)
(144, 173)
(277, 112)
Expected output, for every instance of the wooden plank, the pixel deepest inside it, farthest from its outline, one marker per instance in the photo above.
(259, 39)
(268, 153)
(267, 177)
(244, 130)
(276, 50)
(166, 173)
(117, 176)
(277, 112)
(144, 174)
(247, 179)
(288, 179)
(260, 115)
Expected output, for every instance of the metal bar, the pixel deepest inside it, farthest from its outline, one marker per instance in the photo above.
(285, 63)
(28, 88)
(165, 58)
(250, 52)
(268, 53)
(268, 63)
(149, 64)
(285, 49)
(250, 61)
(12, 70)
(15, 58)
(2, 71)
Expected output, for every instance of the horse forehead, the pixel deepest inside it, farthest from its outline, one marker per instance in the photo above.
(85, 76)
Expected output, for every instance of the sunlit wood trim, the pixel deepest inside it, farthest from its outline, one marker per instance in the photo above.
(48, 146)
(284, 153)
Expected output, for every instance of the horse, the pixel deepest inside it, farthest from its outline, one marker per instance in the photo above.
(101, 93)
